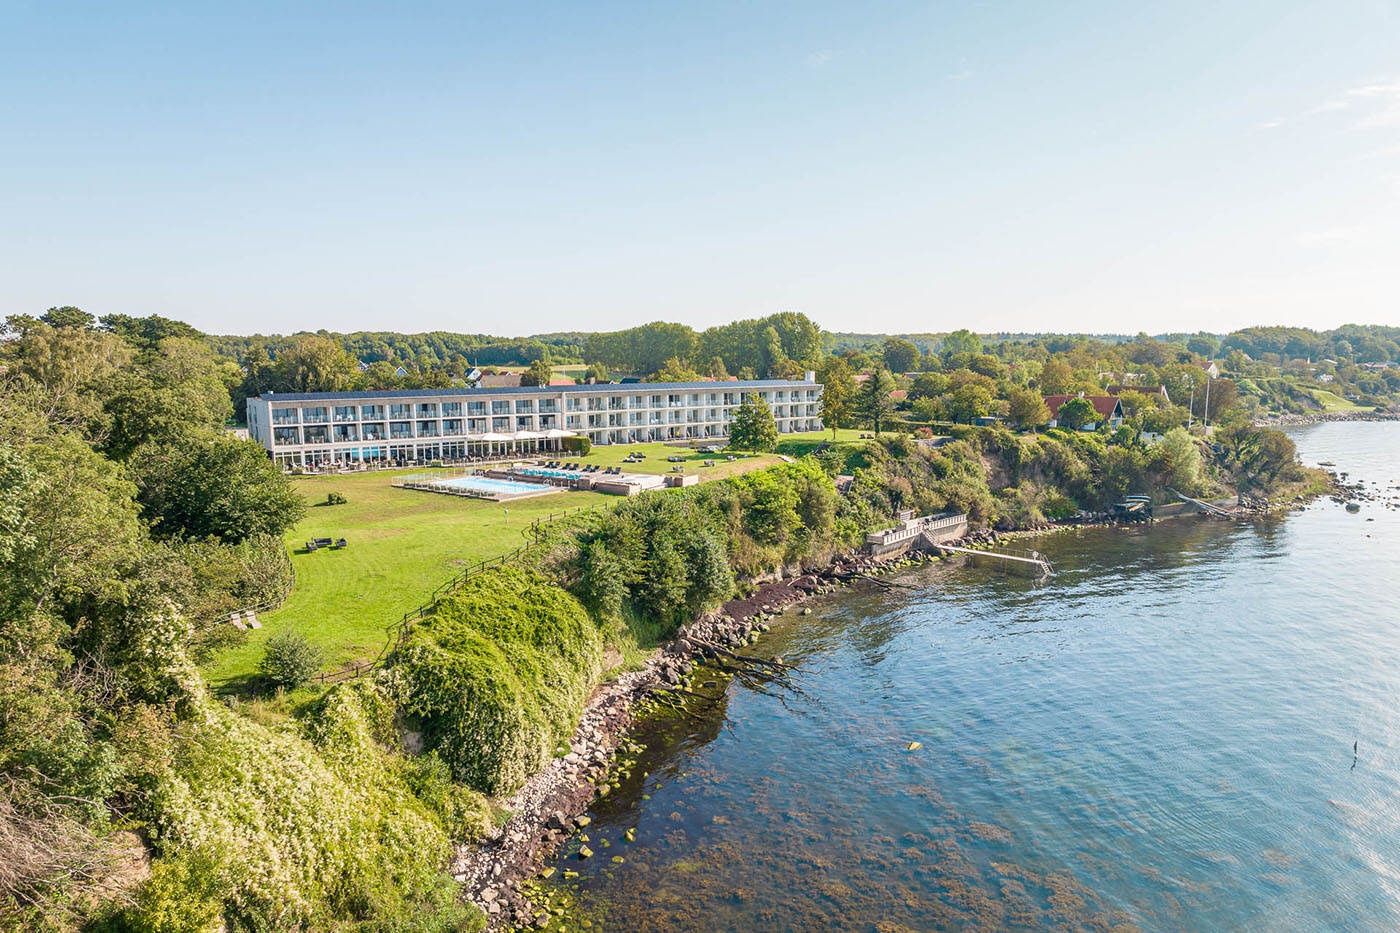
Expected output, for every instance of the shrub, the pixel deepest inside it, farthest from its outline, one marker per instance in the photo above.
(499, 674)
(577, 445)
(336, 498)
(289, 660)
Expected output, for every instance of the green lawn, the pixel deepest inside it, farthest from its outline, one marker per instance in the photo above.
(403, 543)
(1331, 401)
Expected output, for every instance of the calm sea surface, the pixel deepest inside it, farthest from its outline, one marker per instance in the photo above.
(1160, 735)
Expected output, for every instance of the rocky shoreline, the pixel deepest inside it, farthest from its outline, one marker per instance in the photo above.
(1287, 420)
(550, 806)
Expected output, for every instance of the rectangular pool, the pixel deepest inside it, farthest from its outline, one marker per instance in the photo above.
(490, 488)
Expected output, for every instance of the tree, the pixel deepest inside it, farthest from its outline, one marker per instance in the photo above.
(289, 660)
(899, 355)
(716, 369)
(1203, 345)
(1075, 413)
(68, 316)
(753, 427)
(1180, 460)
(961, 341)
(674, 370)
(214, 485)
(601, 587)
(1056, 377)
(539, 374)
(1026, 408)
(314, 364)
(711, 579)
(838, 391)
(873, 404)
(968, 403)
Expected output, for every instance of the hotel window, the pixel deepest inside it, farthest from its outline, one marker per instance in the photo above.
(452, 426)
(318, 434)
(548, 421)
(314, 416)
(345, 412)
(522, 423)
(399, 430)
(346, 432)
(373, 432)
(500, 424)
(285, 416)
(427, 410)
(451, 409)
(548, 404)
(524, 404)
(500, 408)
(371, 412)
(401, 412)
(476, 425)
(286, 436)
(427, 429)
(476, 408)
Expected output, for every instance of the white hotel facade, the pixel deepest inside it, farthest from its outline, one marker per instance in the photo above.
(305, 428)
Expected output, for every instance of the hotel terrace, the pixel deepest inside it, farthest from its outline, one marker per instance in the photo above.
(413, 425)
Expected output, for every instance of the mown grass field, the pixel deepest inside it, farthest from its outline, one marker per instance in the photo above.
(404, 543)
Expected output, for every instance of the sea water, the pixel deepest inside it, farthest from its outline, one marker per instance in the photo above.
(1161, 735)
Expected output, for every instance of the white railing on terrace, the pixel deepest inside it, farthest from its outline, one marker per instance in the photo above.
(915, 527)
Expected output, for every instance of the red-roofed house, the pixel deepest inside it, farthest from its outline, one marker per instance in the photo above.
(1107, 406)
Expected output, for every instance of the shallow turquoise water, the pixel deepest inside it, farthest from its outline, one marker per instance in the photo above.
(1161, 735)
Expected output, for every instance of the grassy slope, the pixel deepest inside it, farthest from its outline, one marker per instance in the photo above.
(404, 543)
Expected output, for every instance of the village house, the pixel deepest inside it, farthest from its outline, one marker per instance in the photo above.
(1108, 407)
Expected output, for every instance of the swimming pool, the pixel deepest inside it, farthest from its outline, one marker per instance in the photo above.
(560, 474)
(493, 487)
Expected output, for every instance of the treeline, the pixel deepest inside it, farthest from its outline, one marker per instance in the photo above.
(130, 523)
(770, 347)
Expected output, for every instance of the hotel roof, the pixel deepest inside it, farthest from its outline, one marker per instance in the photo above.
(602, 387)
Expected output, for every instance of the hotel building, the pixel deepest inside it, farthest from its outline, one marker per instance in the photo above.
(306, 428)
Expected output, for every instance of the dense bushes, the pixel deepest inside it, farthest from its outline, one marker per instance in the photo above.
(289, 827)
(499, 675)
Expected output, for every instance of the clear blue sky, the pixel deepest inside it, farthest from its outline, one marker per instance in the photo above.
(524, 167)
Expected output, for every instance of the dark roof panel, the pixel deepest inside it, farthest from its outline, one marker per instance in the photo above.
(538, 390)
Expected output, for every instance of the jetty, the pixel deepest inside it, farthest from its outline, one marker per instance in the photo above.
(1029, 558)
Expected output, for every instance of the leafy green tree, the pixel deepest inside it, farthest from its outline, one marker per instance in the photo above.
(674, 370)
(899, 355)
(753, 427)
(716, 369)
(1056, 377)
(68, 316)
(601, 585)
(838, 392)
(960, 342)
(711, 579)
(596, 372)
(968, 403)
(1026, 408)
(314, 364)
(663, 593)
(1075, 413)
(538, 374)
(873, 405)
(289, 660)
(1180, 460)
(214, 485)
